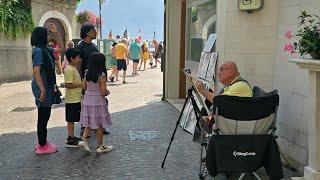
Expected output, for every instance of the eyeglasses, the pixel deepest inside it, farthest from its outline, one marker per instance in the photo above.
(223, 69)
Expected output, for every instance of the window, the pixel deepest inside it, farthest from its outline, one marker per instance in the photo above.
(199, 15)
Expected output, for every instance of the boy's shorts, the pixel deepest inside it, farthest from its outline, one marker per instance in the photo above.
(73, 111)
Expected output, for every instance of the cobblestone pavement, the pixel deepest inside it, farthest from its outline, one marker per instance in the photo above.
(135, 106)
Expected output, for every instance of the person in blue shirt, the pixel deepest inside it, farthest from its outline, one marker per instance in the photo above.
(135, 51)
(43, 82)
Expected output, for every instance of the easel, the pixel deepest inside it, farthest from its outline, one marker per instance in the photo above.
(206, 74)
(191, 90)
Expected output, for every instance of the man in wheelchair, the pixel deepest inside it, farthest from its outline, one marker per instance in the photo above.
(234, 85)
(243, 122)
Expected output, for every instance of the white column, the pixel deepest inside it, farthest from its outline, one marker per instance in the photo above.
(312, 171)
(173, 25)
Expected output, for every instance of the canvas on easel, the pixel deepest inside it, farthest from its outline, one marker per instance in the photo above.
(206, 74)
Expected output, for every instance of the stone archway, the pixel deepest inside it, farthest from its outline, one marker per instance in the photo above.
(208, 26)
(62, 18)
(59, 26)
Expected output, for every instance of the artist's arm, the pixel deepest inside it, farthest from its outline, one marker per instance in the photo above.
(206, 93)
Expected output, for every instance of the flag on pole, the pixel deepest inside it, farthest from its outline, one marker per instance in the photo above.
(126, 34)
(110, 35)
(102, 1)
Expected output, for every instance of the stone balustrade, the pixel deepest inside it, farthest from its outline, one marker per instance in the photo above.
(312, 171)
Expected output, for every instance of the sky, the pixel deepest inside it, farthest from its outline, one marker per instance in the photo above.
(133, 14)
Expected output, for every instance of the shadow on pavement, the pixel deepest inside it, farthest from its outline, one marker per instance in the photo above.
(130, 159)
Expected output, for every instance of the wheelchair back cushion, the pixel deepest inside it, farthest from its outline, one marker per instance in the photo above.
(245, 115)
(230, 126)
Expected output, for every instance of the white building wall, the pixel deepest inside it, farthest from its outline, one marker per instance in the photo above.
(292, 83)
(173, 23)
(249, 39)
(255, 41)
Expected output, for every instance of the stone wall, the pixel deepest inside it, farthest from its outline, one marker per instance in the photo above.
(15, 55)
(15, 59)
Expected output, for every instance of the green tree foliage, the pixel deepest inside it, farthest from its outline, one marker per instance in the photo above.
(309, 33)
(15, 18)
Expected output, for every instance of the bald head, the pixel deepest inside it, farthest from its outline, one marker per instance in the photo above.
(232, 66)
(228, 72)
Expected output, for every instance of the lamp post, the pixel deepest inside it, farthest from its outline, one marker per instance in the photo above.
(100, 4)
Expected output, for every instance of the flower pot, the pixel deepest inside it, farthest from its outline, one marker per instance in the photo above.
(315, 55)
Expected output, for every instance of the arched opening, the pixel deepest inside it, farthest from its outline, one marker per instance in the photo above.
(209, 27)
(59, 26)
(62, 19)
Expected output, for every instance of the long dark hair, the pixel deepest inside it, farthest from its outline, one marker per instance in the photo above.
(96, 66)
(39, 39)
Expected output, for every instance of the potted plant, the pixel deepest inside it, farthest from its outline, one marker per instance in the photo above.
(307, 36)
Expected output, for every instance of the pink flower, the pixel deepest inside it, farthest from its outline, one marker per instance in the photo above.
(288, 48)
(288, 34)
(318, 29)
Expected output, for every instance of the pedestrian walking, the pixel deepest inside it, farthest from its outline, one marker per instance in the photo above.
(121, 52)
(43, 81)
(135, 51)
(73, 86)
(57, 56)
(158, 53)
(145, 55)
(94, 109)
(113, 63)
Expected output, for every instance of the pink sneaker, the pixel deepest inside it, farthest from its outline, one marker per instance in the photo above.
(46, 149)
(50, 144)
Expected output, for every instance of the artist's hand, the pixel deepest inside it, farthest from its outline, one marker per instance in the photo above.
(207, 120)
(200, 86)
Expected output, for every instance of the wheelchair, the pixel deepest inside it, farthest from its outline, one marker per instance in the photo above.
(242, 139)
